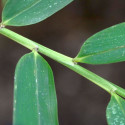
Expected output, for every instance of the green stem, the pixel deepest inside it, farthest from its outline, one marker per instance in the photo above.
(65, 60)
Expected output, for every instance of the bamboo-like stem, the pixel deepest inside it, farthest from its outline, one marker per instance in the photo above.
(64, 60)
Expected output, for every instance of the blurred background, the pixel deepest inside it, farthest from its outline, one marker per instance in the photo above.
(80, 102)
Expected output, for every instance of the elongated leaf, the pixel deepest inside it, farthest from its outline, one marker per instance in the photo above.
(107, 46)
(116, 111)
(26, 12)
(34, 92)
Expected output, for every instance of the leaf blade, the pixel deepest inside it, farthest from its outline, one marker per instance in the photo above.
(106, 46)
(30, 11)
(34, 92)
(115, 111)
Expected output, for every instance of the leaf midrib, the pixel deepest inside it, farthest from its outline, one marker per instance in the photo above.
(101, 52)
(22, 11)
(37, 93)
(120, 104)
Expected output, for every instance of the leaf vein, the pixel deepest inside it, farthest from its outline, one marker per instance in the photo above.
(102, 52)
(22, 11)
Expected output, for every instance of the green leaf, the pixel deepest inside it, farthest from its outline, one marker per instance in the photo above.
(116, 111)
(107, 46)
(26, 12)
(34, 92)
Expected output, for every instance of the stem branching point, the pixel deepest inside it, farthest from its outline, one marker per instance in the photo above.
(2, 25)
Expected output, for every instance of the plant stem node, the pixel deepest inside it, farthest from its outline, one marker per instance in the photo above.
(2, 25)
(35, 49)
(113, 91)
(74, 61)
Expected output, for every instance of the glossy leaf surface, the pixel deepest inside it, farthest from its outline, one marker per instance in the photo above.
(107, 46)
(115, 112)
(26, 12)
(34, 92)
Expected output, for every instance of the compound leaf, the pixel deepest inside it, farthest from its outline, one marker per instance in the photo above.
(107, 46)
(26, 12)
(34, 92)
